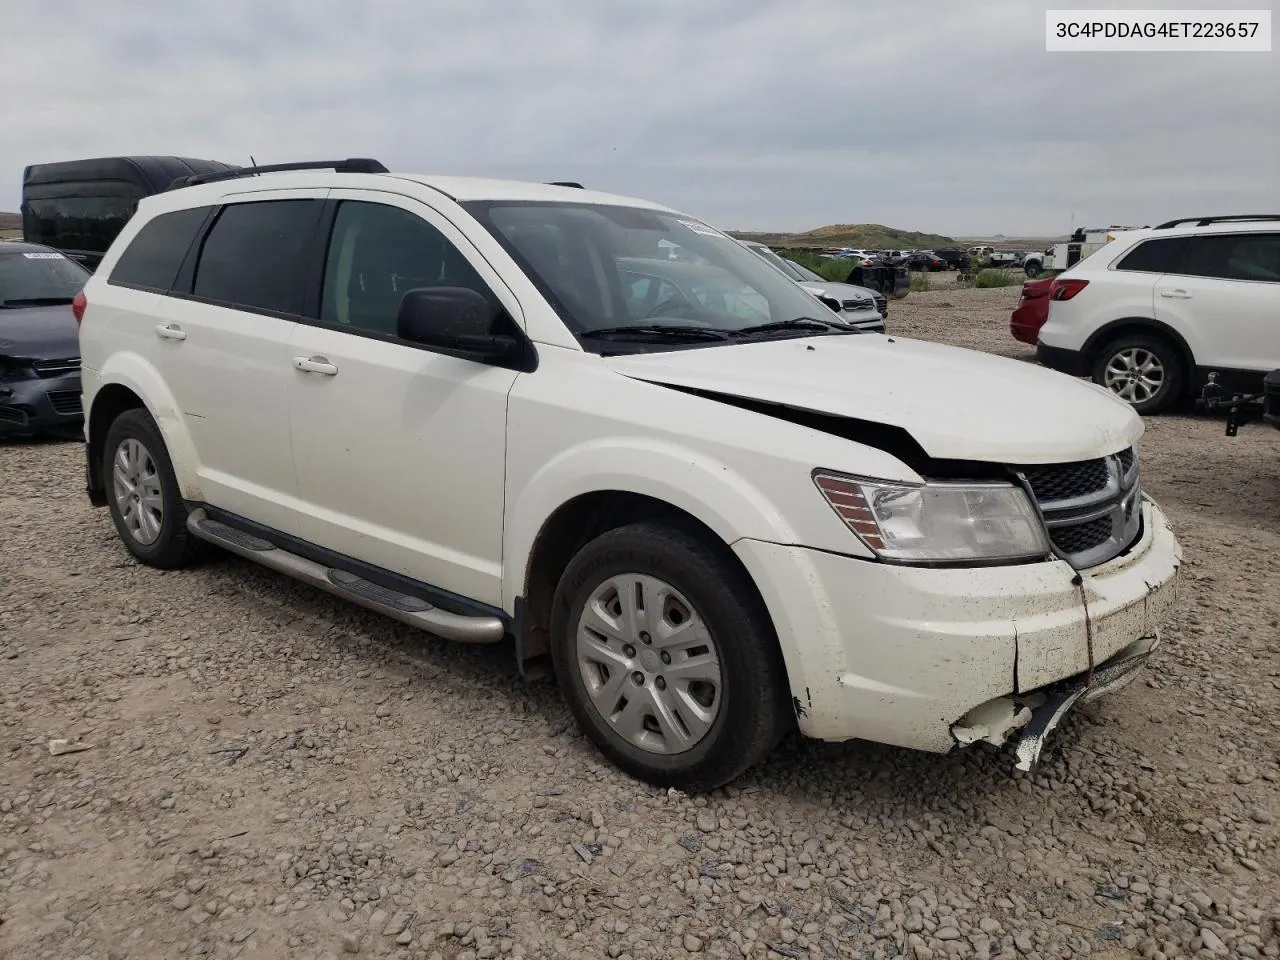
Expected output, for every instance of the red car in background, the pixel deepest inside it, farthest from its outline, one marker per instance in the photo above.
(1032, 311)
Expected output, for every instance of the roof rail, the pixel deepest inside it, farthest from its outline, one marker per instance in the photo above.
(350, 165)
(1205, 221)
(566, 183)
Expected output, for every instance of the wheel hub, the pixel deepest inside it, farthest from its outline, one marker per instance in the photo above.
(135, 481)
(649, 664)
(1134, 375)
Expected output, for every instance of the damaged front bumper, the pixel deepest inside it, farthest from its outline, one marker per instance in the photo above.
(899, 655)
(1035, 715)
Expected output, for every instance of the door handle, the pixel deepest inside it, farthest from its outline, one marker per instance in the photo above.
(171, 331)
(315, 365)
(1175, 294)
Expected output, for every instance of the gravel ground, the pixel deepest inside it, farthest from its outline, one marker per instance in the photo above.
(271, 773)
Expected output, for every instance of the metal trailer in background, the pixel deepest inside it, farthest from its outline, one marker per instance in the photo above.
(1062, 256)
(79, 206)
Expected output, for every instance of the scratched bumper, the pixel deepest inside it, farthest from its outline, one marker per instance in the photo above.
(900, 655)
(1108, 677)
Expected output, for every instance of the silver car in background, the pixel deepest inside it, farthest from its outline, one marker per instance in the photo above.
(857, 306)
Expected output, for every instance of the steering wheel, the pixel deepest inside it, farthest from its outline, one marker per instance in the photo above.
(674, 307)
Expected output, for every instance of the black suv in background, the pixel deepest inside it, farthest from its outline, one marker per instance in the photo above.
(78, 206)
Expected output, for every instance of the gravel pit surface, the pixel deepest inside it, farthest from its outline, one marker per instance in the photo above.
(272, 773)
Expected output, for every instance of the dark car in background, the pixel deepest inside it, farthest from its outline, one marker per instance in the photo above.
(877, 272)
(39, 340)
(79, 206)
(955, 259)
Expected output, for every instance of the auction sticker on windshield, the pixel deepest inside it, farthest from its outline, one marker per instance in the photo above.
(702, 228)
(44, 256)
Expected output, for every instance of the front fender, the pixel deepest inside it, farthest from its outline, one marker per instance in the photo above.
(706, 489)
(133, 371)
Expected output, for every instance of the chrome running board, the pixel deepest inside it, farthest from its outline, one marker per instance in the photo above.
(406, 608)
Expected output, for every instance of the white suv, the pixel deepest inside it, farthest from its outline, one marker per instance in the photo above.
(1150, 315)
(469, 405)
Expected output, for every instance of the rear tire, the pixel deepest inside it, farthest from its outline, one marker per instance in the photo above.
(142, 493)
(1143, 370)
(667, 657)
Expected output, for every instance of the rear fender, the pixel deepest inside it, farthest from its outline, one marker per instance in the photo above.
(133, 371)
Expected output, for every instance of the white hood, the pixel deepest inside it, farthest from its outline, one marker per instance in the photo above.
(841, 291)
(957, 404)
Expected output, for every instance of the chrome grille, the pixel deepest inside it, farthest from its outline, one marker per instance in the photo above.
(1090, 508)
(56, 368)
(1082, 537)
(864, 304)
(1067, 481)
(882, 305)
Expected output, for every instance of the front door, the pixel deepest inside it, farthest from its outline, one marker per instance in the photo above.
(400, 452)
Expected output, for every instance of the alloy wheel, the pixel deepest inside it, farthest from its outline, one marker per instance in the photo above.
(1134, 374)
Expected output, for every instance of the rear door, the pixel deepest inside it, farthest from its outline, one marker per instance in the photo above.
(1226, 295)
(222, 345)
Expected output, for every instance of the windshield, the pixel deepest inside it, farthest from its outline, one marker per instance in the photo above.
(36, 278)
(786, 266)
(608, 267)
(805, 274)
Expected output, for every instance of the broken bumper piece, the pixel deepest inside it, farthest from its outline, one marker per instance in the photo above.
(1033, 716)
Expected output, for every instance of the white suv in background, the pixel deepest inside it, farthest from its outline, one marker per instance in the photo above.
(1153, 313)
(499, 410)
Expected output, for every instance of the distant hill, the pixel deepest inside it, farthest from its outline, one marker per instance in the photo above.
(870, 236)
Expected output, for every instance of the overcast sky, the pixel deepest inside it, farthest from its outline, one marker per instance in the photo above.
(751, 114)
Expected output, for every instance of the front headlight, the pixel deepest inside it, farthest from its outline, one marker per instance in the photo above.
(937, 522)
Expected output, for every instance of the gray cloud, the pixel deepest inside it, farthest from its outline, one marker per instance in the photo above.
(769, 114)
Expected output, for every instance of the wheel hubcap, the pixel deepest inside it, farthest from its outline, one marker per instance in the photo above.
(651, 669)
(1134, 374)
(136, 484)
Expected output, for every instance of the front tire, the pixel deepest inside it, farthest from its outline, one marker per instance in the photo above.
(142, 493)
(1144, 371)
(667, 657)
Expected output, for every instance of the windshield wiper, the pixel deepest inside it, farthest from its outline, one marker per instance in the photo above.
(799, 323)
(656, 331)
(35, 302)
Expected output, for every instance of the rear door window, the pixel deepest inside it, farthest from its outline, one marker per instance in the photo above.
(1235, 256)
(153, 258)
(254, 255)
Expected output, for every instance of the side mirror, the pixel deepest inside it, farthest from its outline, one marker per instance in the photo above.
(455, 320)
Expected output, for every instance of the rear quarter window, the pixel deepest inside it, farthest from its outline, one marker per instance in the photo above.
(1162, 255)
(153, 258)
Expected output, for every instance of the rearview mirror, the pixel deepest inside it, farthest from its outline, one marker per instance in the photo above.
(454, 320)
